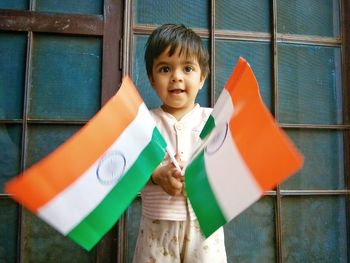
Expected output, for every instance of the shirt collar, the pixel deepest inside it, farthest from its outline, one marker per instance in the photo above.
(184, 118)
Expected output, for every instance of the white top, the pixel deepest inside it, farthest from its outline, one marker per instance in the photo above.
(182, 136)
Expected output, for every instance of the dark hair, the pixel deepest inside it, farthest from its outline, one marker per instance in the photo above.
(176, 36)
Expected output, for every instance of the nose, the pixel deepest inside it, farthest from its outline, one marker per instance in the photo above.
(177, 76)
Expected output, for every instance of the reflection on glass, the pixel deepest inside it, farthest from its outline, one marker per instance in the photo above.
(308, 17)
(324, 162)
(8, 230)
(14, 4)
(253, 230)
(314, 229)
(66, 80)
(10, 152)
(194, 14)
(247, 15)
(12, 64)
(43, 139)
(40, 237)
(68, 6)
(258, 55)
(309, 82)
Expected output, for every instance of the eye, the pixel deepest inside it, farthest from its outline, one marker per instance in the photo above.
(188, 68)
(164, 69)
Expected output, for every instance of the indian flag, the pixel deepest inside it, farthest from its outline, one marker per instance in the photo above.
(85, 185)
(224, 106)
(243, 156)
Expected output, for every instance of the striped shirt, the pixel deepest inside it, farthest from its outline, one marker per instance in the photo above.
(182, 136)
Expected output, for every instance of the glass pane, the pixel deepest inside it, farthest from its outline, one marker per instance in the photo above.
(191, 13)
(66, 77)
(43, 139)
(308, 17)
(67, 6)
(314, 229)
(258, 55)
(44, 244)
(310, 88)
(134, 216)
(253, 230)
(139, 76)
(12, 74)
(8, 230)
(14, 4)
(10, 153)
(248, 15)
(324, 162)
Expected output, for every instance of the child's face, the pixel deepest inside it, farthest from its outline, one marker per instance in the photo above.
(177, 80)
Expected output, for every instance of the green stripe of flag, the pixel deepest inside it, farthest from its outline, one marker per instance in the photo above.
(208, 127)
(103, 217)
(198, 187)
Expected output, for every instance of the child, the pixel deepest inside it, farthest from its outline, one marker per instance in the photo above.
(177, 65)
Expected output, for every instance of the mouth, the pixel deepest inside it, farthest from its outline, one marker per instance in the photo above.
(176, 91)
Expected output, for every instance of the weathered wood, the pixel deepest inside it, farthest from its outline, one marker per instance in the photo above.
(14, 20)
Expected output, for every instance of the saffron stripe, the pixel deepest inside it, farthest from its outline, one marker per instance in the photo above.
(202, 199)
(103, 217)
(59, 169)
(257, 136)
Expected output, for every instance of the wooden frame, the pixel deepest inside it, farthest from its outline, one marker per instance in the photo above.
(109, 27)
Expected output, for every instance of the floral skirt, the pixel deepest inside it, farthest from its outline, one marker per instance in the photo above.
(165, 241)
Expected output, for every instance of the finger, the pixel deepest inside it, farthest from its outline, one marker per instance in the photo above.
(176, 183)
(166, 158)
(178, 156)
(178, 175)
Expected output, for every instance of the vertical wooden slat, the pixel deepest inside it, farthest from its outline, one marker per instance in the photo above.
(126, 42)
(26, 99)
(127, 38)
(212, 53)
(345, 34)
(112, 34)
(274, 99)
(106, 250)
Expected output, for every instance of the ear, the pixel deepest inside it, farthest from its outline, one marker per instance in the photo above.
(203, 78)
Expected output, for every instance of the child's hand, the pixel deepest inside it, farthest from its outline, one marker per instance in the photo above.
(169, 178)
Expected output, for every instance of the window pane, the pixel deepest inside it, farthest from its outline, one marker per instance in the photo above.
(10, 153)
(314, 229)
(14, 4)
(68, 6)
(12, 74)
(134, 216)
(258, 55)
(309, 84)
(253, 230)
(8, 230)
(66, 77)
(324, 163)
(191, 13)
(308, 17)
(139, 74)
(43, 139)
(140, 79)
(248, 15)
(40, 237)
